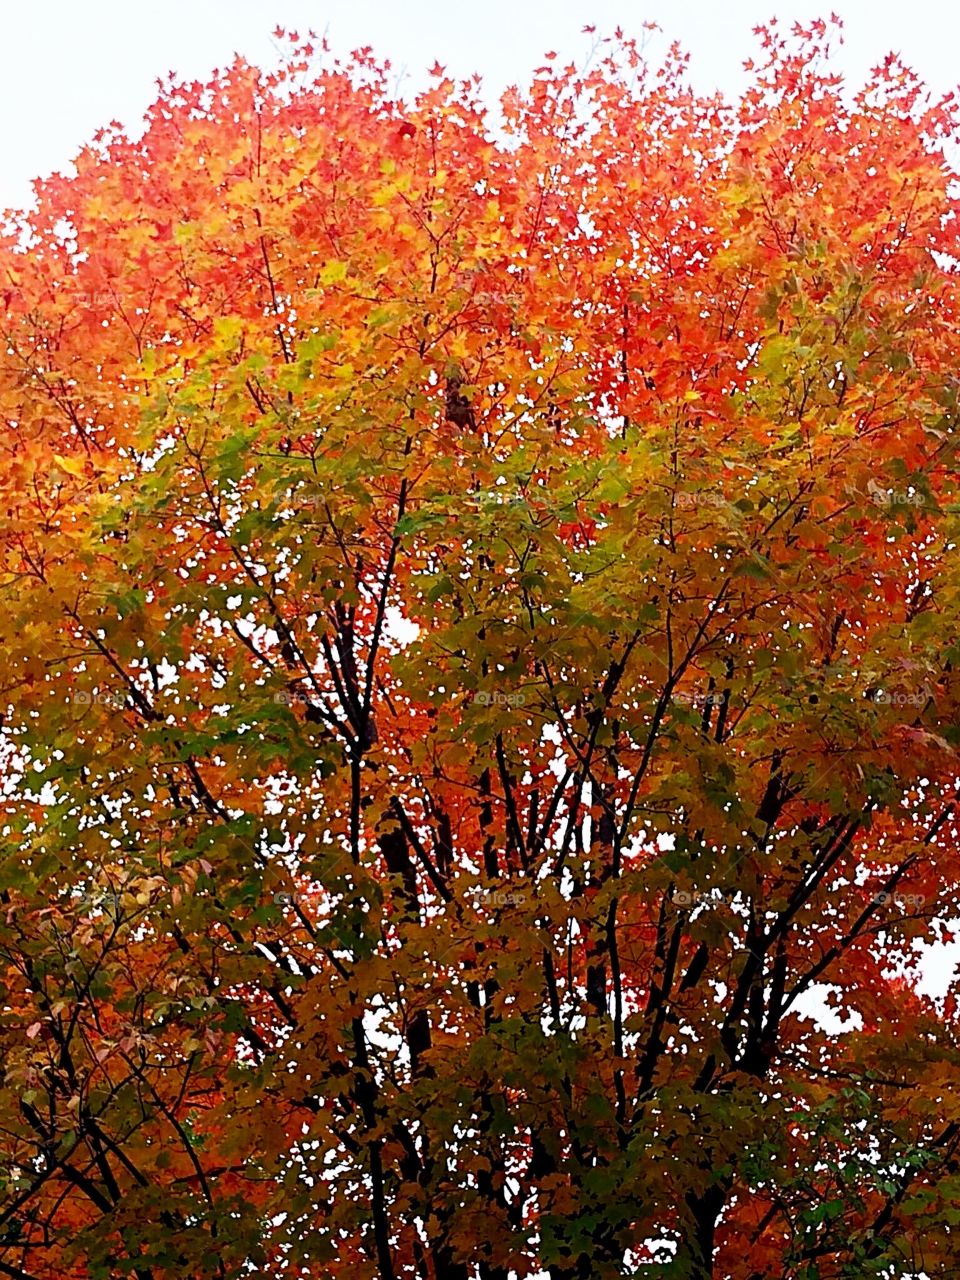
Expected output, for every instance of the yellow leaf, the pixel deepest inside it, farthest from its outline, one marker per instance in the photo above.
(333, 272)
(72, 466)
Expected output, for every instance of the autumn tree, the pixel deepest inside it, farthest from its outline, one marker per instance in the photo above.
(479, 656)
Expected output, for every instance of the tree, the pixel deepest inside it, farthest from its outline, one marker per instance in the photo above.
(479, 654)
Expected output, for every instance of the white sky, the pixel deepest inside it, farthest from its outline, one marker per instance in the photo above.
(67, 67)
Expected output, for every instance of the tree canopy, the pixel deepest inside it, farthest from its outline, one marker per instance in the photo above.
(479, 654)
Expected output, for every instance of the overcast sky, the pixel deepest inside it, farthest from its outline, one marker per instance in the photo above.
(70, 66)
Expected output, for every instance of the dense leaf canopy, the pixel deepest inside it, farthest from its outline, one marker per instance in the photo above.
(479, 650)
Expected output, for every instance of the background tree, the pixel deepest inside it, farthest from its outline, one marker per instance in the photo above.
(479, 651)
